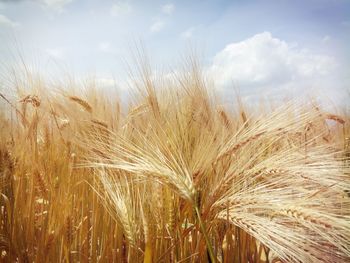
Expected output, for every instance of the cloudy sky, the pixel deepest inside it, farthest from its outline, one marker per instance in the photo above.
(266, 47)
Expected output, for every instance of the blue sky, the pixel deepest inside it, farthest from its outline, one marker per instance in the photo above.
(264, 47)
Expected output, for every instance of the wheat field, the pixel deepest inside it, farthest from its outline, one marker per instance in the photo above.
(172, 175)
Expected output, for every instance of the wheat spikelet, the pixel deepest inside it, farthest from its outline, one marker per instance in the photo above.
(68, 228)
(335, 118)
(33, 99)
(120, 203)
(7, 168)
(82, 103)
(87, 244)
(240, 144)
(63, 124)
(100, 123)
(41, 183)
(49, 242)
(300, 215)
(225, 119)
(47, 136)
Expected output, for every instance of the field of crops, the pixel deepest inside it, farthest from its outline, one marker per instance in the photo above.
(171, 175)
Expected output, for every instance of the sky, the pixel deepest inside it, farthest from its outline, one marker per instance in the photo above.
(265, 48)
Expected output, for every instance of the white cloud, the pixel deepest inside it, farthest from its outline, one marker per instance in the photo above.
(263, 61)
(168, 9)
(157, 26)
(112, 84)
(120, 9)
(5, 21)
(107, 47)
(104, 46)
(105, 82)
(188, 33)
(56, 53)
(57, 5)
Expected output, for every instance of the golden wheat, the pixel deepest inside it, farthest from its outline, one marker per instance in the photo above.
(172, 177)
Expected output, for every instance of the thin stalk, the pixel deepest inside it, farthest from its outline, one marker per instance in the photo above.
(204, 232)
(148, 253)
(13, 106)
